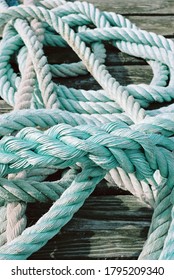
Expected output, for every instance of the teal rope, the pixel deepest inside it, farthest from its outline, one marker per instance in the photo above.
(59, 214)
(95, 133)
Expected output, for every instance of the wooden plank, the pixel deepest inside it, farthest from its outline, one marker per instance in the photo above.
(4, 107)
(125, 75)
(114, 56)
(106, 227)
(135, 7)
(163, 25)
(132, 6)
(94, 245)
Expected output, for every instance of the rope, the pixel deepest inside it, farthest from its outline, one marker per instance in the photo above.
(93, 134)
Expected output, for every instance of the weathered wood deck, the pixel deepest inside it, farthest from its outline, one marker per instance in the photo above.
(111, 224)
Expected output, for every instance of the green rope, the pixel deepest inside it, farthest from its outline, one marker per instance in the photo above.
(96, 134)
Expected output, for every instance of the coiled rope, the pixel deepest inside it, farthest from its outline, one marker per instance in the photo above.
(99, 134)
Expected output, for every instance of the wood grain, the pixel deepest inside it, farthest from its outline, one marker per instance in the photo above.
(4, 107)
(124, 75)
(106, 227)
(163, 24)
(128, 7)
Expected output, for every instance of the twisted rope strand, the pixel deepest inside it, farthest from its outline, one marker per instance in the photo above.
(59, 214)
(16, 218)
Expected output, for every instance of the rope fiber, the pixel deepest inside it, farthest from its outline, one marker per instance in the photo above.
(92, 134)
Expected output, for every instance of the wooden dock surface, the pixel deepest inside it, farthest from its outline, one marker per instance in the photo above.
(111, 224)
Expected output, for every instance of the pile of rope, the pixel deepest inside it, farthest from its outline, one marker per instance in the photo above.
(91, 135)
